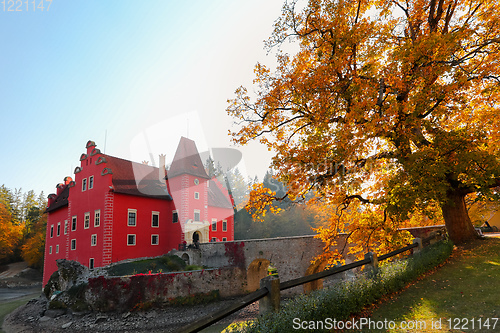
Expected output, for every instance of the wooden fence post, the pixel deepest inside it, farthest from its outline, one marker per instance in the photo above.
(373, 265)
(419, 247)
(270, 302)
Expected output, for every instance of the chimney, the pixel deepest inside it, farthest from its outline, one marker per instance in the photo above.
(60, 188)
(161, 172)
(51, 199)
(67, 180)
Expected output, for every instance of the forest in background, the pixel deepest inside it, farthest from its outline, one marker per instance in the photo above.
(293, 219)
(22, 226)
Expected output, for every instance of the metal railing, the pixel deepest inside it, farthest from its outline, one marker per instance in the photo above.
(370, 259)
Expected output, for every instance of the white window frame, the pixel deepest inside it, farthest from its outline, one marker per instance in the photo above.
(65, 227)
(214, 239)
(52, 231)
(93, 240)
(128, 238)
(97, 218)
(86, 220)
(50, 249)
(196, 195)
(197, 211)
(214, 224)
(224, 239)
(57, 248)
(224, 225)
(91, 182)
(134, 211)
(58, 233)
(153, 214)
(73, 244)
(175, 213)
(84, 184)
(91, 263)
(74, 221)
(157, 239)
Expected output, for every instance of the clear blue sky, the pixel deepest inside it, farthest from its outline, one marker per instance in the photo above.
(135, 70)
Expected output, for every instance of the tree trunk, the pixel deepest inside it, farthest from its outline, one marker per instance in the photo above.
(456, 218)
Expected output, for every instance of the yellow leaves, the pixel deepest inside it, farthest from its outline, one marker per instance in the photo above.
(10, 234)
(417, 86)
(261, 201)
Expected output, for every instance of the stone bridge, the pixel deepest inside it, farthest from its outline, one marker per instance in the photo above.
(291, 256)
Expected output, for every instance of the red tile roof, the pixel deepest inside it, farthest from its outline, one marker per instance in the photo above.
(60, 201)
(136, 178)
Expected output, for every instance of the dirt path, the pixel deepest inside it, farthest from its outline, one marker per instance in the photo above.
(12, 269)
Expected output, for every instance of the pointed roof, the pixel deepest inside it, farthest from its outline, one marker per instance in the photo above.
(187, 161)
(218, 197)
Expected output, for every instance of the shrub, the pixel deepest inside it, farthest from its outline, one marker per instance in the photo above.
(193, 268)
(348, 297)
(163, 263)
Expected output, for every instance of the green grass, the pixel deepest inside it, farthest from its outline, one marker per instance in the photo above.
(465, 287)
(9, 306)
(349, 297)
(161, 264)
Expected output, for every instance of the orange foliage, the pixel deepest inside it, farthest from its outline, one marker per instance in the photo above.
(33, 250)
(10, 234)
(389, 111)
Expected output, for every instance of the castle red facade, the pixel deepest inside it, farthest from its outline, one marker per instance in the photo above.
(116, 209)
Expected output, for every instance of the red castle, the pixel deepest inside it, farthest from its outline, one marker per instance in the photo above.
(117, 209)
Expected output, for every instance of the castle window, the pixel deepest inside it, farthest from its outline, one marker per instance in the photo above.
(86, 221)
(58, 229)
(97, 218)
(130, 239)
(196, 215)
(91, 263)
(154, 239)
(224, 225)
(73, 244)
(57, 248)
(93, 240)
(91, 180)
(214, 224)
(196, 195)
(132, 217)
(73, 223)
(84, 184)
(155, 219)
(51, 231)
(175, 217)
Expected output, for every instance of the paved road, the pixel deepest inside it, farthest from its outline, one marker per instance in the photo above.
(8, 294)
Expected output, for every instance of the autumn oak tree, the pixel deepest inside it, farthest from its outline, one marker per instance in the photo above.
(388, 108)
